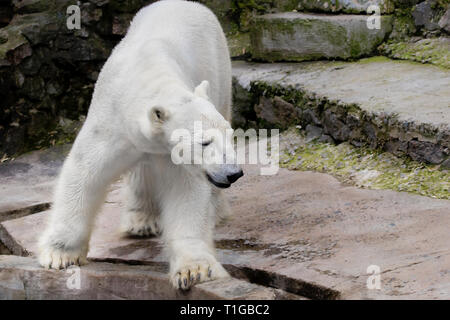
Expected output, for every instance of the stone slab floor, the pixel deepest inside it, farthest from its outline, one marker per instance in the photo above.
(293, 235)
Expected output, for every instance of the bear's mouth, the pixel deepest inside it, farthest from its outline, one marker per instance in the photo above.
(218, 184)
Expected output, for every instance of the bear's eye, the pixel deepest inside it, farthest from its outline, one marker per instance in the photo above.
(206, 143)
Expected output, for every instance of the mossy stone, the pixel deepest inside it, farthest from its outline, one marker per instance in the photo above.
(302, 37)
(434, 51)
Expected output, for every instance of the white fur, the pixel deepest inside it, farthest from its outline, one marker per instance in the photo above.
(171, 69)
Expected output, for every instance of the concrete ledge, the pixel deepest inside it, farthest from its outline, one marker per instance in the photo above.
(23, 278)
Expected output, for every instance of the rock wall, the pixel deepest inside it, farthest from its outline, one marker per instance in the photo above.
(420, 32)
(47, 72)
(276, 106)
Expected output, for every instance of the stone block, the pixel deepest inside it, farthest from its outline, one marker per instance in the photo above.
(299, 37)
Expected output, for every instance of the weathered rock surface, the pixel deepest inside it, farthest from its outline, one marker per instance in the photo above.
(444, 22)
(294, 36)
(435, 51)
(347, 6)
(301, 232)
(26, 184)
(277, 112)
(424, 16)
(313, 132)
(23, 278)
(419, 19)
(389, 104)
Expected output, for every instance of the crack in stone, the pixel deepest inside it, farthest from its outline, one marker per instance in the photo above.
(412, 264)
(255, 276)
(21, 212)
(279, 281)
(12, 245)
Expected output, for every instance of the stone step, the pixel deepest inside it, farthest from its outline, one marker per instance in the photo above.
(402, 107)
(292, 36)
(23, 278)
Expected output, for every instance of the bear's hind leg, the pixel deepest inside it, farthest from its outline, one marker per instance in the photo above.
(142, 210)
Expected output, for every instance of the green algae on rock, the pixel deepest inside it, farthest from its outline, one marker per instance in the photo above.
(434, 51)
(363, 167)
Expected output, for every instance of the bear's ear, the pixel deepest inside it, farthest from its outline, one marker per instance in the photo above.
(158, 115)
(202, 90)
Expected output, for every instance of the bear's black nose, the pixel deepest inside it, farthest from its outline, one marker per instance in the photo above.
(232, 178)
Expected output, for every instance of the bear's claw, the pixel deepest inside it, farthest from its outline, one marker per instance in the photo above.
(60, 259)
(197, 272)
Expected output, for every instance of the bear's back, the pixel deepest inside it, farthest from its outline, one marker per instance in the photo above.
(173, 30)
(194, 37)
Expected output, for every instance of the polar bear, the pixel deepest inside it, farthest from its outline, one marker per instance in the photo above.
(170, 70)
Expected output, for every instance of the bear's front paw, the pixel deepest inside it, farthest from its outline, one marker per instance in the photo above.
(191, 272)
(51, 258)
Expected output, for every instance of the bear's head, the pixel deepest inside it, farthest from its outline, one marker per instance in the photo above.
(193, 131)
